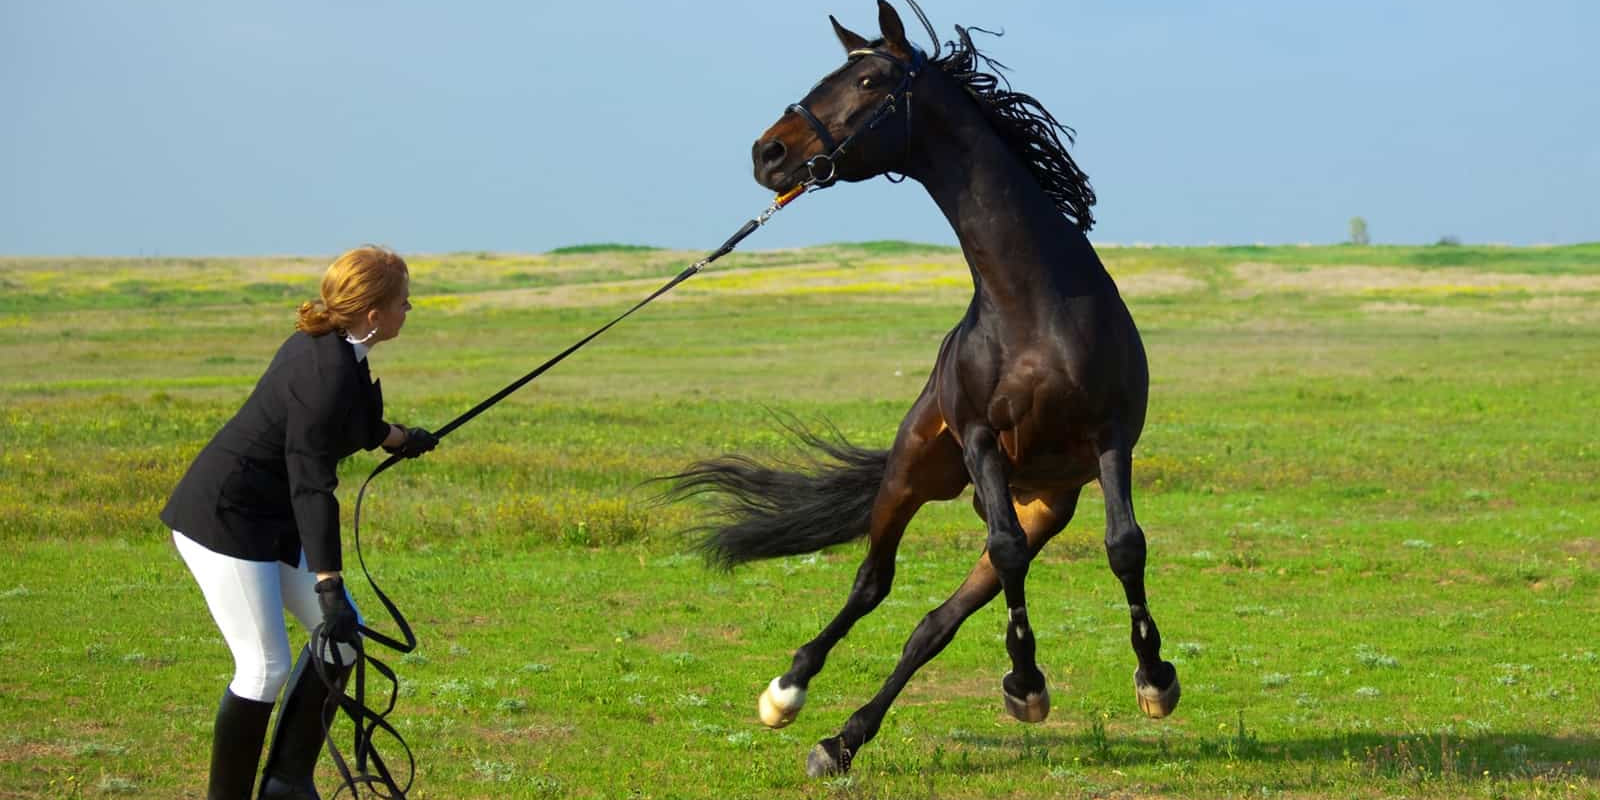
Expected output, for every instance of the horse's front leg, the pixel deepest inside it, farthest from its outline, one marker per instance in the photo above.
(1026, 696)
(1155, 681)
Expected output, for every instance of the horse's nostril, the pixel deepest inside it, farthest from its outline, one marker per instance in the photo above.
(772, 153)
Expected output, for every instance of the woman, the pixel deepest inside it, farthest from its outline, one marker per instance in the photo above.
(256, 520)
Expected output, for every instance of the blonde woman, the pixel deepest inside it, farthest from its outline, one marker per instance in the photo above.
(256, 520)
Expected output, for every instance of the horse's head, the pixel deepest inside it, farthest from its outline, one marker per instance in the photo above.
(854, 124)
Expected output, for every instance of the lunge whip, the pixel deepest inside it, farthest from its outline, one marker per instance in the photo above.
(368, 721)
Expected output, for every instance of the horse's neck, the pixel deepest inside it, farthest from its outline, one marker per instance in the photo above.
(1012, 234)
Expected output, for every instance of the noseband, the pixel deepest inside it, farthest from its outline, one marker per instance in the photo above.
(823, 167)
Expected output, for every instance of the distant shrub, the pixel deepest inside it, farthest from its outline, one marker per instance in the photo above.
(889, 247)
(602, 247)
(1358, 232)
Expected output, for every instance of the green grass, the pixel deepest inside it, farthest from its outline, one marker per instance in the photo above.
(1369, 478)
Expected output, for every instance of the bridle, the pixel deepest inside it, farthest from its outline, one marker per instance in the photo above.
(823, 167)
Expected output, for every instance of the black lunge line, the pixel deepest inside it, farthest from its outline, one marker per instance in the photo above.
(369, 721)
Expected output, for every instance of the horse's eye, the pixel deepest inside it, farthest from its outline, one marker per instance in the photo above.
(866, 83)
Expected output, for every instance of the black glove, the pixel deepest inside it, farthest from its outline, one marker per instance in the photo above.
(339, 619)
(417, 442)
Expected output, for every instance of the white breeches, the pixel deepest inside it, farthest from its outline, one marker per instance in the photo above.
(247, 599)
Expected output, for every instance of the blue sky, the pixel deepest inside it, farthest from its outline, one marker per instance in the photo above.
(307, 127)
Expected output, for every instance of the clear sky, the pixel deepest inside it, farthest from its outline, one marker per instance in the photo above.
(309, 126)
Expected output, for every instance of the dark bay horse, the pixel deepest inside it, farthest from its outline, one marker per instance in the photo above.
(1038, 390)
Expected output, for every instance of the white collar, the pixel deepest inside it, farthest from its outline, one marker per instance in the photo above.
(361, 348)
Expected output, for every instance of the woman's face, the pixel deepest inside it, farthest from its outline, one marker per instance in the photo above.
(390, 317)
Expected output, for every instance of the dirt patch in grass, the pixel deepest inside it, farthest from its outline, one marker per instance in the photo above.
(35, 752)
(1156, 284)
(1587, 546)
(936, 686)
(1560, 302)
(572, 296)
(1352, 279)
(881, 279)
(1545, 584)
(670, 641)
(1586, 550)
(730, 633)
(1385, 307)
(1455, 576)
(539, 732)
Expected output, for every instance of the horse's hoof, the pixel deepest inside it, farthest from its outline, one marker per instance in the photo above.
(1031, 707)
(1157, 702)
(830, 757)
(779, 706)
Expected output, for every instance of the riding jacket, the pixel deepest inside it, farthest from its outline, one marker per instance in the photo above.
(262, 489)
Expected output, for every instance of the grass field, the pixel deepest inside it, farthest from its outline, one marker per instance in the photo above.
(1370, 479)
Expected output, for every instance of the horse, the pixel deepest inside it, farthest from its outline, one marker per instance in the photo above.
(1038, 390)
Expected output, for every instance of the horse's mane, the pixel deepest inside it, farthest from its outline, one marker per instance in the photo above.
(1029, 130)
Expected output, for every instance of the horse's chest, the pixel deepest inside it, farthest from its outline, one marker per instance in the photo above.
(1034, 404)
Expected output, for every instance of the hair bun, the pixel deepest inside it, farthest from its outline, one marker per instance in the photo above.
(313, 318)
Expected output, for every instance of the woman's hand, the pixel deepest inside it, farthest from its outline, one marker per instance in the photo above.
(339, 620)
(414, 442)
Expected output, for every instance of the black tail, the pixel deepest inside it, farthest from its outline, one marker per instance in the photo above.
(768, 512)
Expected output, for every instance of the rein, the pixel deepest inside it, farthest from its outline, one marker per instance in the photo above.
(829, 158)
(368, 721)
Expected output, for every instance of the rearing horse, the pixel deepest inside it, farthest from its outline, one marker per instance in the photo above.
(1040, 389)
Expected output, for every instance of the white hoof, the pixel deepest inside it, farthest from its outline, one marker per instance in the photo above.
(1156, 703)
(779, 706)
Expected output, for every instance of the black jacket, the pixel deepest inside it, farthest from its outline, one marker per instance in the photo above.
(262, 489)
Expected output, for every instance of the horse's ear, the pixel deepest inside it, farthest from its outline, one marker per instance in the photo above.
(894, 31)
(851, 40)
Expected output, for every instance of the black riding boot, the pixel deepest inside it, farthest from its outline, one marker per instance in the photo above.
(236, 746)
(297, 739)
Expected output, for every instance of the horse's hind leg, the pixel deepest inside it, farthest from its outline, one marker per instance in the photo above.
(924, 464)
(1042, 517)
(1155, 681)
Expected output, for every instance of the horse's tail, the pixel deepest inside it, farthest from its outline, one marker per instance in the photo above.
(788, 509)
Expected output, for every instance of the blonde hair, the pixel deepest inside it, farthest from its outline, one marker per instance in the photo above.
(360, 280)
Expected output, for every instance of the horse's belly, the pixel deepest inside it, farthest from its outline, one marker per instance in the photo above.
(1061, 466)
